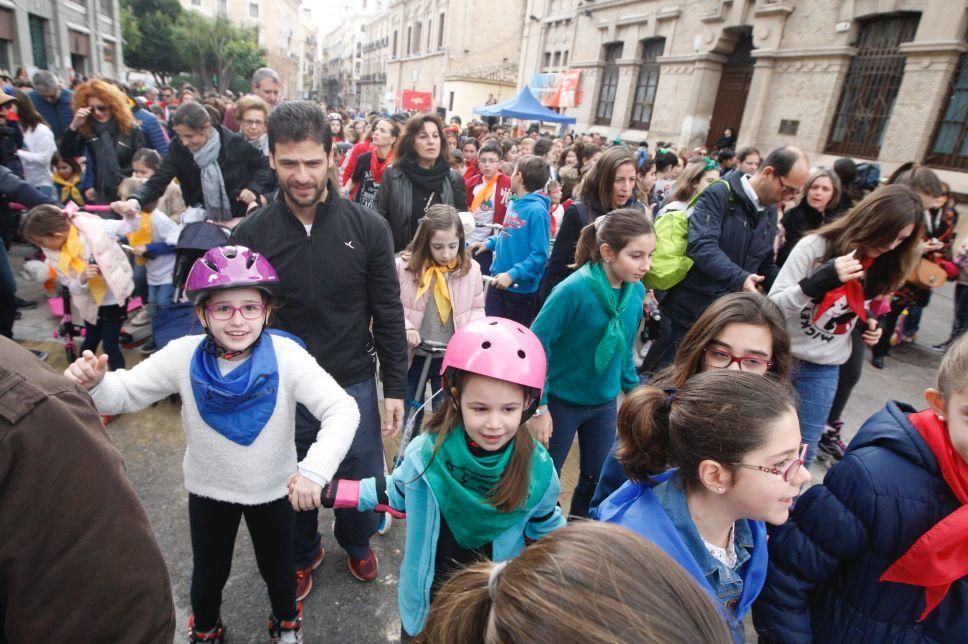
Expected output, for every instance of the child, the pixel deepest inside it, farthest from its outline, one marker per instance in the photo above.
(145, 164)
(441, 289)
(557, 211)
(562, 586)
(521, 248)
(147, 234)
(67, 177)
(240, 385)
(734, 443)
(877, 553)
(488, 196)
(739, 331)
(475, 485)
(587, 327)
(82, 250)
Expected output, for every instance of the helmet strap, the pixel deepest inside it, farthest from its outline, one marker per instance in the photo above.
(212, 346)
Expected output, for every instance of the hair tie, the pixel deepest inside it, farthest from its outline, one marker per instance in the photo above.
(711, 165)
(664, 151)
(599, 222)
(492, 578)
(670, 396)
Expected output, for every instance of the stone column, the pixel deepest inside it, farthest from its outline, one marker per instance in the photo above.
(628, 69)
(756, 100)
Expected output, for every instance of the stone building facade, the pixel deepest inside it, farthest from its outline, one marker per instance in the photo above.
(883, 80)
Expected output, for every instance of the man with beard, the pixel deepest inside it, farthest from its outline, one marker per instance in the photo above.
(337, 275)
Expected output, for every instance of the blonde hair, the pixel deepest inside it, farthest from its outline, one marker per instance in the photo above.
(953, 372)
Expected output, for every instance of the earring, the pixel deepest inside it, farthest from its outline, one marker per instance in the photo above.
(941, 418)
(721, 489)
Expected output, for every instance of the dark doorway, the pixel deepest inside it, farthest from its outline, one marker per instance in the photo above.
(734, 86)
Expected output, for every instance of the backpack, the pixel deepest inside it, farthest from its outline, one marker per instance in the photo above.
(670, 264)
(868, 175)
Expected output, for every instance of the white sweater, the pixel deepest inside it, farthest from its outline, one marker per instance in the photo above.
(40, 148)
(218, 468)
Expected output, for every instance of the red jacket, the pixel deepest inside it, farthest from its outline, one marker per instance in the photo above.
(501, 198)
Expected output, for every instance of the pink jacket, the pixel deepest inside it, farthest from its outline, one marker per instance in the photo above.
(466, 295)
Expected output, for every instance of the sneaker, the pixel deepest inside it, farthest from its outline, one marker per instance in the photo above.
(148, 347)
(217, 634)
(286, 631)
(41, 355)
(365, 569)
(140, 317)
(26, 304)
(830, 442)
(304, 576)
(941, 347)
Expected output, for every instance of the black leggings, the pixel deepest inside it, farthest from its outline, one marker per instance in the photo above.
(849, 372)
(214, 525)
(107, 331)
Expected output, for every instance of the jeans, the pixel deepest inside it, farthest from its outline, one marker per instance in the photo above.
(8, 294)
(520, 307)
(159, 296)
(106, 333)
(595, 426)
(849, 372)
(353, 529)
(413, 379)
(214, 525)
(816, 386)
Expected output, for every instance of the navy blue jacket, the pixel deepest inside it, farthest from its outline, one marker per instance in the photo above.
(58, 114)
(826, 562)
(728, 240)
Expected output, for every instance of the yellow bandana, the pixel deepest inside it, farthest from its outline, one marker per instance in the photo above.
(441, 293)
(71, 260)
(142, 236)
(484, 194)
(68, 189)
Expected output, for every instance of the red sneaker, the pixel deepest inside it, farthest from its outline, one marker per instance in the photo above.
(216, 635)
(304, 576)
(365, 569)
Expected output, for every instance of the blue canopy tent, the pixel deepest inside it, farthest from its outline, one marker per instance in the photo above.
(524, 106)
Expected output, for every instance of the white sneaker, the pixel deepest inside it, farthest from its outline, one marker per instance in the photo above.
(140, 317)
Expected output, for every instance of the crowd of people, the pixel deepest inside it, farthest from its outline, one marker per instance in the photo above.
(697, 319)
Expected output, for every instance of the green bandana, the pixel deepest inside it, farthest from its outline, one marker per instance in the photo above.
(462, 485)
(614, 337)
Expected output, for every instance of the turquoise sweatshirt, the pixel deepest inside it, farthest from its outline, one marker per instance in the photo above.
(570, 325)
(521, 250)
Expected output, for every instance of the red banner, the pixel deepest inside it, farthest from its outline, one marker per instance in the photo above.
(417, 101)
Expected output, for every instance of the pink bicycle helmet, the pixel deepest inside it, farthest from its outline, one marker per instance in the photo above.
(228, 267)
(498, 348)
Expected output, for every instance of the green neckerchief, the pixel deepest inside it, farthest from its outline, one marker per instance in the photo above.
(614, 337)
(462, 484)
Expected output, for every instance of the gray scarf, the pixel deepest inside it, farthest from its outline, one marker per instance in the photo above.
(107, 172)
(217, 204)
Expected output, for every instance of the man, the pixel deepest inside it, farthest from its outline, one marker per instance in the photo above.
(78, 560)
(730, 238)
(53, 103)
(267, 85)
(335, 262)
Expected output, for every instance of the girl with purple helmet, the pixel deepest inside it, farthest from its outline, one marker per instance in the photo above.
(239, 384)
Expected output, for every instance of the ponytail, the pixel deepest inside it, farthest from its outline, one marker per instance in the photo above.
(917, 177)
(616, 229)
(461, 613)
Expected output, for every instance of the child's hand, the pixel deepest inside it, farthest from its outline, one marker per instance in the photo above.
(90, 195)
(873, 333)
(303, 493)
(90, 272)
(849, 267)
(413, 338)
(477, 247)
(502, 281)
(139, 250)
(88, 370)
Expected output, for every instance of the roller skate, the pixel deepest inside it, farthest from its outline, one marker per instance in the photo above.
(286, 631)
(215, 635)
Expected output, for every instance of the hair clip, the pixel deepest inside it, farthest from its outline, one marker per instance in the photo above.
(670, 396)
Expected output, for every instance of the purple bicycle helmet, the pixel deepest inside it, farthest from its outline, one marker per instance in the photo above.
(228, 267)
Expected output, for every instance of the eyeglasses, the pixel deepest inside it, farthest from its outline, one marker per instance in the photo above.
(225, 312)
(252, 123)
(719, 359)
(487, 160)
(788, 471)
(101, 109)
(786, 191)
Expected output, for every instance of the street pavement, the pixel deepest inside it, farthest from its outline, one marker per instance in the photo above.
(340, 608)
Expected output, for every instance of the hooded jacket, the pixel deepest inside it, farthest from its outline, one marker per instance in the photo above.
(826, 561)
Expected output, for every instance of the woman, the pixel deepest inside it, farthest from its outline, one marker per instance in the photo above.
(253, 116)
(568, 158)
(666, 172)
(369, 166)
(819, 196)
(217, 169)
(104, 130)
(420, 177)
(38, 141)
(825, 288)
(645, 180)
(609, 185)
(698, 174)
(336, 127)
(727, 140)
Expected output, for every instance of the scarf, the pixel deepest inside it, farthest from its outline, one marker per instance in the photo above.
(71, 261)
(239, 404)
(69, 190)
(484, 194)
(852, 290)
(463, 483)
(425, 180)
(141, 236)
(377, 165)
(441, 292)
(615, 336)
(217, 205)
(107, 171)
(940, 557)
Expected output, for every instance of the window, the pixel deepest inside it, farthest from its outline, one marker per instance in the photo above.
(416, 37)
(394, 45)
(38, 40)
(197, 3)
(440, 32)
(606, 96)
(107, 8)
(253, 9)
(223, 7)
(646, 84)
(6, 37)
(564, 58)
(871, 86)
(556, 59)
(547, 60)
(950, 146)
(430, 30)
(409, 41)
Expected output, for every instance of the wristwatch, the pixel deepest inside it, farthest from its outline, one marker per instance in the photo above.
(540, 412)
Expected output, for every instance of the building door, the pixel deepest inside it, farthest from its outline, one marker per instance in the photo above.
(734, 86)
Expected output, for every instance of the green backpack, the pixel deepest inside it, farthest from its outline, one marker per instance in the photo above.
(670, 264)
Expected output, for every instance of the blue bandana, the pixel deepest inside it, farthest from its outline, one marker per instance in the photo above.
(239, 404)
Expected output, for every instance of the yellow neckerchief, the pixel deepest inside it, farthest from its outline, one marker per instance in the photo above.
(142, 236)
(441, 294)
(485, 192)
(69, 190)
(71, 260)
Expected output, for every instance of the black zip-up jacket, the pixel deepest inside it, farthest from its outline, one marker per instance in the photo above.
(333, 283)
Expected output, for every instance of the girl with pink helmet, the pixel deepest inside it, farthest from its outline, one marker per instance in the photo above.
(239, 384)
(475, 484)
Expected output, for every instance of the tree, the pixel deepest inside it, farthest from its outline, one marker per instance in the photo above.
(148, 31)
(221, 54)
